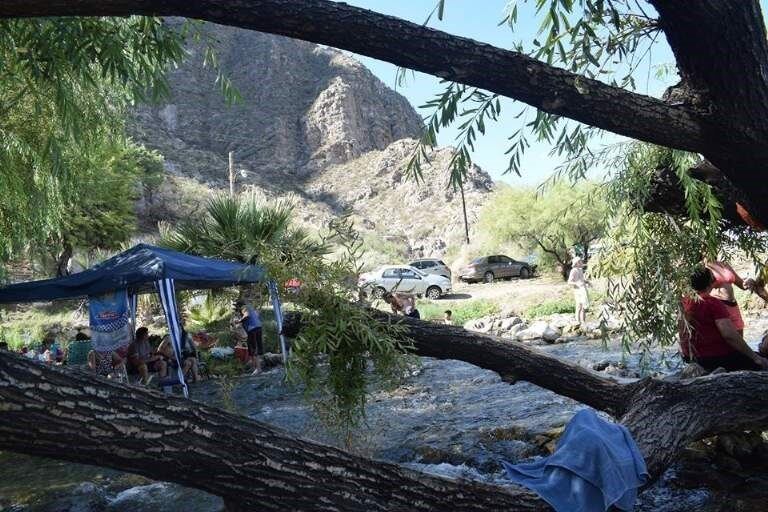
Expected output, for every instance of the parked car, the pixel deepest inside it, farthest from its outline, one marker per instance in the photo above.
(404, 279)
(432, 266)
(490, 268)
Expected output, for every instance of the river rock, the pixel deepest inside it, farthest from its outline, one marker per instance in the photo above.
(512, 332)
(602, 365)
(561, 321)
(166, 497)
(538, 330)
(505, 324)
(482, 325)
(86, 497)
(572, 329)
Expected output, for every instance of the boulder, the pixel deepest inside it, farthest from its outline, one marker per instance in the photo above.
(539, 330)
(561, 321)
(550, 334)
(571, 329)
(483, 325)
(505, 324)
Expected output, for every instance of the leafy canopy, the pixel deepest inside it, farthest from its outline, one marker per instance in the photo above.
(649, 256)
(65, 84)
(549, 224)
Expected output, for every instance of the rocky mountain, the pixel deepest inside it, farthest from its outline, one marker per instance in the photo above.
(314, 124)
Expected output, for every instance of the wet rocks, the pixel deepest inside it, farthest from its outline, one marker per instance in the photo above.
(615, 369)
(482, 325)
(539, 330)
(164, 496)
(86, 497)
(506, 324)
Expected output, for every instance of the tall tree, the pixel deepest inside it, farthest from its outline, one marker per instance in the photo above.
(551, 223)
(65, 84)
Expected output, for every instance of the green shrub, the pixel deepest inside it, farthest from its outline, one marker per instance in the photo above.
(461, 312)
(226, 368)
(551, 307)
(20, 328)
(212, 314)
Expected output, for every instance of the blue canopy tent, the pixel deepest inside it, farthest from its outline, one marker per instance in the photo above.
(143, 269)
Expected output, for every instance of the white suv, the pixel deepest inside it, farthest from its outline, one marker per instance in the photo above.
(404, 279)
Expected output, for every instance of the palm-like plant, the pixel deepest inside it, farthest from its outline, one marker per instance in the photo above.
(246, 229)
(211, 315)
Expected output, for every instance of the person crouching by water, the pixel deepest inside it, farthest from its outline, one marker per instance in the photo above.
(710, 338)
(141, 360)
(404, 303)
(251, 321)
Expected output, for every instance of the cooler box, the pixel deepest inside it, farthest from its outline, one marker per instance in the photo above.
(241, 353)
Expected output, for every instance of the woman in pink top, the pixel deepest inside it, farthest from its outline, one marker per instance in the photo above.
(725, 278)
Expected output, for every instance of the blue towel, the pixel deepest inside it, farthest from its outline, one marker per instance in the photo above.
(596, 465)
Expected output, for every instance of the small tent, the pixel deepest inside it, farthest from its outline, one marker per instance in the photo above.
(142, 269)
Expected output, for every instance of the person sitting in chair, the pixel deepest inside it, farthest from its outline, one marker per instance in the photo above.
(141, 360)
(104, 363)
(165, 349)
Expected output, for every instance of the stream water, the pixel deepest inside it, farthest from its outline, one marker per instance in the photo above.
(447, 417)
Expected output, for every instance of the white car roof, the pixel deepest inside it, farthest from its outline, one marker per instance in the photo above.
(405, 267)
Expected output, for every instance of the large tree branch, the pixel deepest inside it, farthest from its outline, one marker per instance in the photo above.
(80, 418)
(724, 64)
(413, 46)
(253, 465)
(515, 361)
(721, 49)
(666, 194)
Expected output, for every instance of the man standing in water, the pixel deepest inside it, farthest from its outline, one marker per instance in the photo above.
(251, 321)
(579, 284)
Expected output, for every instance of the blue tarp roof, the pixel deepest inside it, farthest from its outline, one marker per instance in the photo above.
(136, 270)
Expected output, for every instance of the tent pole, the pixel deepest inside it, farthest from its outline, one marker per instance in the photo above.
(278, 309)
(167, 291)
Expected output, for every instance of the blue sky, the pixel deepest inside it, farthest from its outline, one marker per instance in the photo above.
(479, 20)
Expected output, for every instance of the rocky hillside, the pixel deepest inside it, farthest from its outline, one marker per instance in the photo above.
(314, 124)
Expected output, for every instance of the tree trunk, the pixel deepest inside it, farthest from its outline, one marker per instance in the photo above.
(667, 196)
(82, 418)
(564, 263)
(464, 211)
(63, 260)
